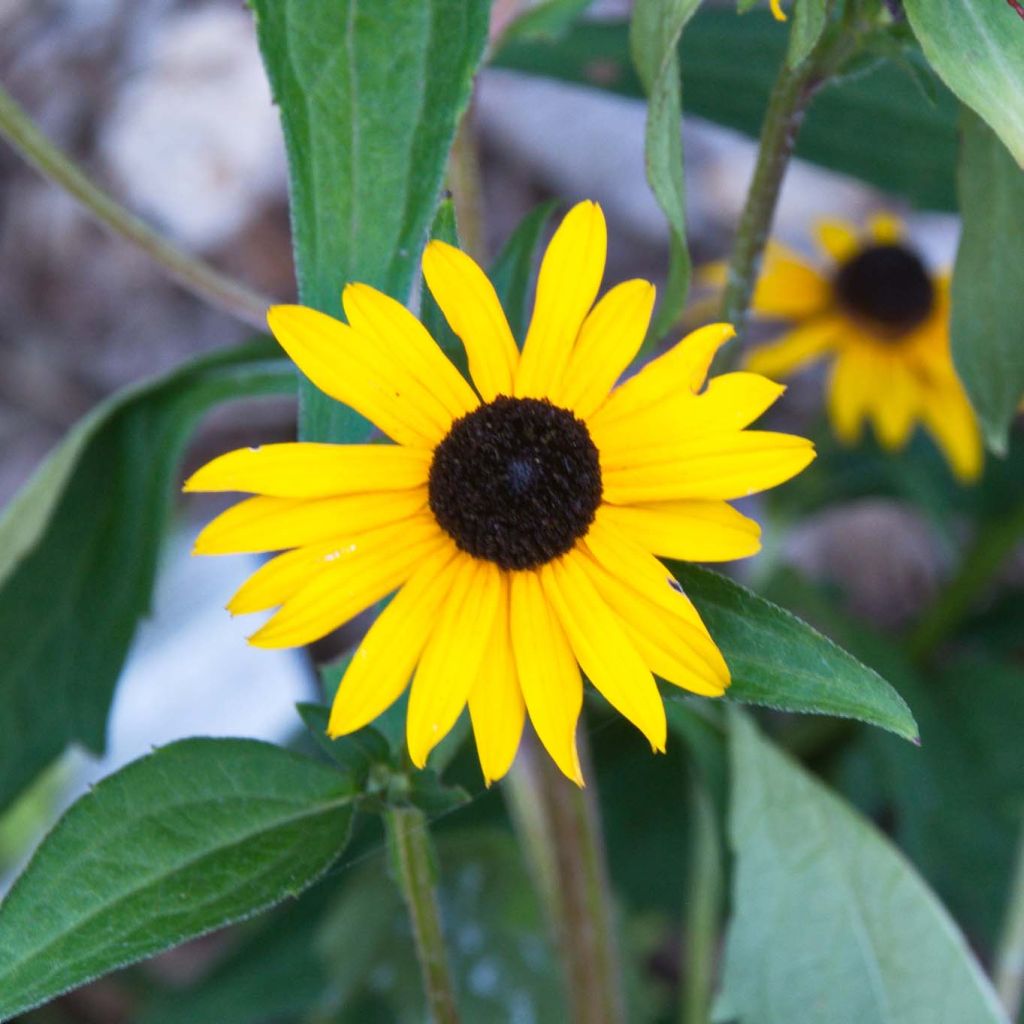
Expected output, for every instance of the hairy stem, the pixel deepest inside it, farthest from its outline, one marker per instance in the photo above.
(789, 98)
(412, 855)
(1009, 964)
(560, 829)
(193, 274)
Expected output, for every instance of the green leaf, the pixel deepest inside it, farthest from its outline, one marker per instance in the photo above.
(831, 923)
(370, 96)
(729, 65)
(654, 34)
(198, 834)
(549, 19)
(977, 47)
(444, 228)
(988, 301)
(78, 553)
(809, 18)
(512, 272)
(780, 662)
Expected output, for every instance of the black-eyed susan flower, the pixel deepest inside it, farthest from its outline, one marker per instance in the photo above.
(519, 518)
(883, 319)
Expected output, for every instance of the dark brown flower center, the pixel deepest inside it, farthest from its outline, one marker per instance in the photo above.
(516, 481)
(888, 286)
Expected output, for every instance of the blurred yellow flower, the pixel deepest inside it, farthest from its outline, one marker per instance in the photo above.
(519, 522)
(778, 13)
(883, 318)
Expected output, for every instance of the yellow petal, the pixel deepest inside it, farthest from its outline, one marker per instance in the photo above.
(282, 577)
(365, 571)
(381, 666)
(609, 339)
(273, 524)
(838, 239)
(777, 12)
(796, 348)
(684, 366)
(886, 228)
(547, 670)
(403, 340)
(788, 287)
(307, 470)
(726, 466)
(951, 421)
(692, 531)
(342, 365)
(670, 643)
(496, 705)
(454, 655)
(602, 647)
(730, 402)
(896, 403)
(471, 307)
(850, 393)
(570, 276)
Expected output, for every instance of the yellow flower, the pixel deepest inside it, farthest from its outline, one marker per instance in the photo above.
(519, 521)
(883, 318)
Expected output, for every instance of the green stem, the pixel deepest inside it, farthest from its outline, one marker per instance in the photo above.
(193, 274)
(703, 907)
(560, 829)
(991, 547)
(413, 859)
(1009, 963)
(789, 98)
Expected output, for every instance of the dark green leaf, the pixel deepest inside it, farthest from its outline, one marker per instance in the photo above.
(198, 834)
(729, 65)
(831, 925)
(357, 754)
(78, 554)
(654, 36)
(512, 272)
(988, 301)
(370, 95)
(977, 46)
(780, 662)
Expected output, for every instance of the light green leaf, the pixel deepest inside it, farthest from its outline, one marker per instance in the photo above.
(78, 553)
(370, 95)
(196, 835)
(809, 18)
(548, 19)
(780, 662)
(654, 36)
(728, 67)
(831, 924)
(988, 301)
(977, 47)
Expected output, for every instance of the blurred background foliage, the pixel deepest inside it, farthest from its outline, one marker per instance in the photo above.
(165, 102)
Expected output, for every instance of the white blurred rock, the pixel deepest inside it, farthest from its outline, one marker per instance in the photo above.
(193, 138)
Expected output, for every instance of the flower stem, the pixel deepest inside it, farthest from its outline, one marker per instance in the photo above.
(560, 829)
(193, 274)
(993, 544)
(703, 906)
(413, 860)
(466, 187)
(1009, 963)
(786, 106)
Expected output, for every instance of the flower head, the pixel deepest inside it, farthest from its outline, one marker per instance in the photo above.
(518, 519)
(883, 319)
